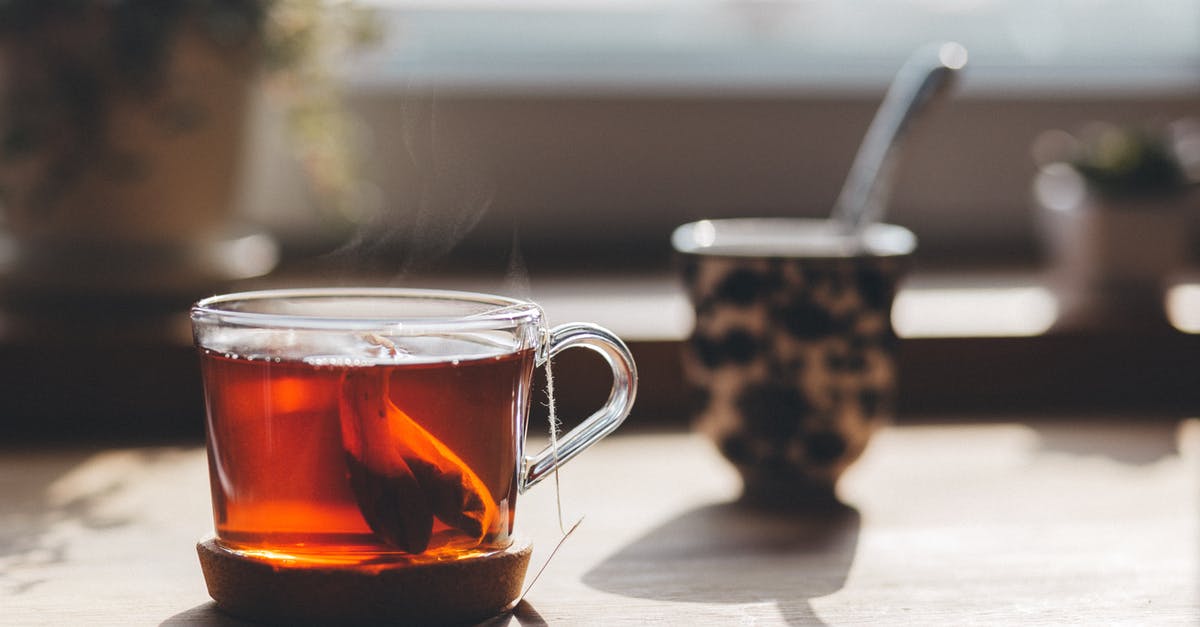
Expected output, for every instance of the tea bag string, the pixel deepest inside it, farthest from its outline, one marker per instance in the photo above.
(555, 426)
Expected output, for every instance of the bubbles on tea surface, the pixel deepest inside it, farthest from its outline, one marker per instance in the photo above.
(356, 349)
(361, 349)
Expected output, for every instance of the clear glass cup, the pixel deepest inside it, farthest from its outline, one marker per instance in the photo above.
(378, 425)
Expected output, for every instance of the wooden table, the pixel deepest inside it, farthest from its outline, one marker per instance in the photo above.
(994, 523)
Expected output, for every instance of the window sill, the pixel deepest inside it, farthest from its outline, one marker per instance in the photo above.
(72, 392)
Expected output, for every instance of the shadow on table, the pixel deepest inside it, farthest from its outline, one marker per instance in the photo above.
(28, 502)
(205, 614)
(523, 615)
(729, 553)
(208, 615)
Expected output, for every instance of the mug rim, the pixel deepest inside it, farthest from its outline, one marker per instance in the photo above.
(505, 311)
(768, 237)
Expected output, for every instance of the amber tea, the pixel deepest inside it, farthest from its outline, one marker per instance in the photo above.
(416, 458)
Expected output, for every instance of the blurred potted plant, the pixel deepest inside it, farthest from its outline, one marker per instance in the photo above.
(121, 131)
(1115, 207)
(121, 134)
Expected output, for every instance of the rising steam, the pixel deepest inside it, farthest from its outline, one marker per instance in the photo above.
(444, 191)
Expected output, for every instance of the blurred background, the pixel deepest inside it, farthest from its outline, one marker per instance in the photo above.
(157, 152)
(596, 128)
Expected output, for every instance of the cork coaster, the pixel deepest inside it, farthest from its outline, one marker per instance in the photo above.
(457, 592)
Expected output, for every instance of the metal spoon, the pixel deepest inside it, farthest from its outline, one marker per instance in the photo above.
(928, 73)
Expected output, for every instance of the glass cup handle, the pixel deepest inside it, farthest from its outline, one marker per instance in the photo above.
(604, 421)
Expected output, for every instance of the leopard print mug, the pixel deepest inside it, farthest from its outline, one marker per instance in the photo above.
(791, 358)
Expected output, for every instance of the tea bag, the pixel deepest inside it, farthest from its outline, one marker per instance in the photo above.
(388, 496)
(401, 474)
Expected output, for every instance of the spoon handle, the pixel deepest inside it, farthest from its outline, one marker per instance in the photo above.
(926, 74)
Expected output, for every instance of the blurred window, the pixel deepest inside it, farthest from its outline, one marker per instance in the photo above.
(1034, 45)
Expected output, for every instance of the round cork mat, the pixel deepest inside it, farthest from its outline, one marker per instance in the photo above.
(457, 592)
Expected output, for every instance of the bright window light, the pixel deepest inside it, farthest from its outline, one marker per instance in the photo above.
(1183, 307)
(678, 44)
(974, 312)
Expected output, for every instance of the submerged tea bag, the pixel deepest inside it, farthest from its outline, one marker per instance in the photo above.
(401, 474)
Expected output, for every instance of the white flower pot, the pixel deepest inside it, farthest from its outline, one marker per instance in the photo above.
(1111, 260)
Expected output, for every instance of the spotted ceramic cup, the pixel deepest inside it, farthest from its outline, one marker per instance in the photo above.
(791, 358)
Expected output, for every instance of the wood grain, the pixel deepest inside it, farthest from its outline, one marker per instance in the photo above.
(1000, 523)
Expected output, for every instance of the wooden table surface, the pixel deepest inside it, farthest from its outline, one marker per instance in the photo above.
(1092, 522)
